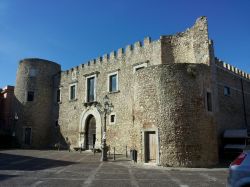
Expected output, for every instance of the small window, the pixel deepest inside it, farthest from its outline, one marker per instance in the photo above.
(209, 102)
(112, 118)
(72, 91)
(32, 72)
(227, 91)
(139, 67)
(113, 82)
(58, 95)
(136, 69)
(30, 96)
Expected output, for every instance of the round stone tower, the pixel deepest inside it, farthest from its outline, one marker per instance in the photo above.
(171, 116)
(35, 101)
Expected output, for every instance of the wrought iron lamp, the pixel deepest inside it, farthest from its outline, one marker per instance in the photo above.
(107, 109)
(14, 127)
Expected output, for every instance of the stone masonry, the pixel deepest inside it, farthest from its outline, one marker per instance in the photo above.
(169, 100)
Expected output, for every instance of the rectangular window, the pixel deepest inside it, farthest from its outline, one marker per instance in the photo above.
(136, 69)
(113, 83)
(140, 66)
(209, 102)
(32, 72)
(112, 118)
(72, 92)
(226, 91)
(58, 95)
(90, 89)
(30, 96)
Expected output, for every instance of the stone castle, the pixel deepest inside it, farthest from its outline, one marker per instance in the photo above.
(172, 100)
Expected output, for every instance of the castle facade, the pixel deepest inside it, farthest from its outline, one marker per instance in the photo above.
(171, 100)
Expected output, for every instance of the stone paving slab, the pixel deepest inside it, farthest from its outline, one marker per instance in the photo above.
(154, 183)
(63, 168)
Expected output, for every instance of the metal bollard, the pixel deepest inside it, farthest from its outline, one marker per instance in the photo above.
(109, 150)
(94, 149)
(114, 154)
(126, 152)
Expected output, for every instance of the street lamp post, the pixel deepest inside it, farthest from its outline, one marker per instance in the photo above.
(107, 108)
(14, 130)
(14, 127)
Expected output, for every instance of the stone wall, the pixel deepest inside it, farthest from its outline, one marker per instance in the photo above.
(188, 47)
(6, 108)
(172, 100)
(35, 75)
(231, 107)
(71, 113)
(168, 96)
(191, 46)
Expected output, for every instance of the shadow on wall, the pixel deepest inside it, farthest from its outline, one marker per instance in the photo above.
(6, 138)
(5, 141)
(59, 141)
(18, 139)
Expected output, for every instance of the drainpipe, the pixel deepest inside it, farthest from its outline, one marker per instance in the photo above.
(244, 104)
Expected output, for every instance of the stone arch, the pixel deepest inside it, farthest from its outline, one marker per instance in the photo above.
(82, 127)
(90, 132)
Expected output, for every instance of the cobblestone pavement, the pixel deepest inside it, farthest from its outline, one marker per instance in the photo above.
(62, 168)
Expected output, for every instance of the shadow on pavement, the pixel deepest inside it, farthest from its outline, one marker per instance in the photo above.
(27, 163)
(4, 177)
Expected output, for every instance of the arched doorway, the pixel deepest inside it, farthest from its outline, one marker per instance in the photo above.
(85, 119)
(90, 132)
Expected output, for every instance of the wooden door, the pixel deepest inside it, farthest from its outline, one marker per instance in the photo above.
(151, 146)
(90, 132)
(27, 136)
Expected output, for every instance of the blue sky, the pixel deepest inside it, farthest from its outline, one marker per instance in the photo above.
(71, 32)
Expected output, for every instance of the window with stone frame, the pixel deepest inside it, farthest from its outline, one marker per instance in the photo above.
(91, 88)
(140, 66)
(112, 118)
(72, 92)
(113, 82)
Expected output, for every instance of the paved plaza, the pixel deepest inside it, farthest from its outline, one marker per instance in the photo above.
(62, 168)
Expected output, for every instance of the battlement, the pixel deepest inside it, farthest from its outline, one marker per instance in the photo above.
(120, 53)
(231, 68)
(191, 46)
